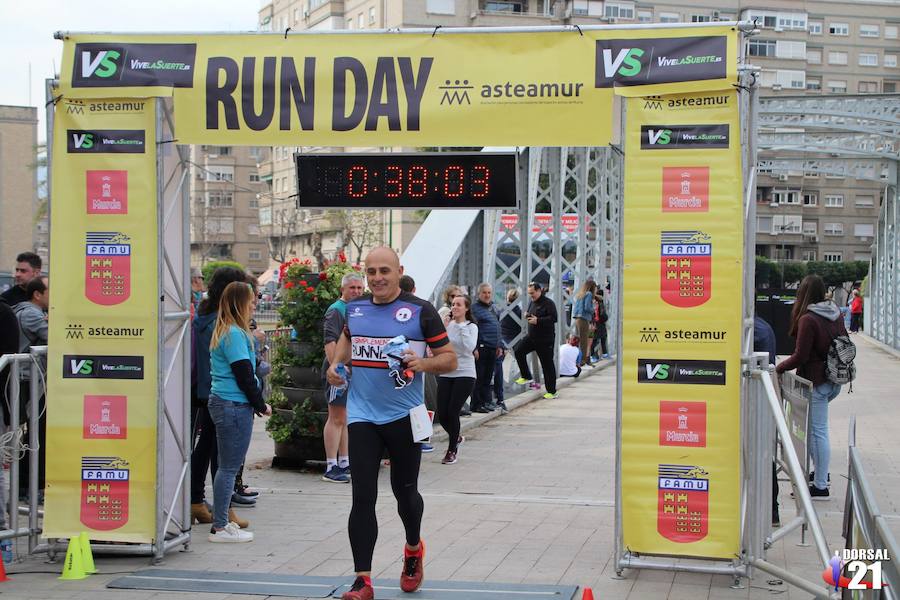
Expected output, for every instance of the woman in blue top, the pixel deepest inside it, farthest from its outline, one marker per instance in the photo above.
(583, 314)
(234, 397)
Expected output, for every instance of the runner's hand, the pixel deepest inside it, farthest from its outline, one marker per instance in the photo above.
(413, 361)
(333, 378)
(268, 411)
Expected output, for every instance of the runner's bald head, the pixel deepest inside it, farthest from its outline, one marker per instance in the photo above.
(383, 273)
(383, 254)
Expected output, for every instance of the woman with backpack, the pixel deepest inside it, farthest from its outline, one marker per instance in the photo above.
(815, 323)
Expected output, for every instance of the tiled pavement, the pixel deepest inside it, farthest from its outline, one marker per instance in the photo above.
(530, 500)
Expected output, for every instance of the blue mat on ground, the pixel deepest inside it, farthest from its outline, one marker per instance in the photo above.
(304, 586)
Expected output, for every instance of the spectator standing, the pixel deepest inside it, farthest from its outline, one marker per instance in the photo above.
(337, 454)
(28, 266)
(9, 344)
(32, 317)
(235, 395)
(570, 358)
(488, 349)
(815, 322)
(205, 454)
(601, 316)
(454, 387)
(541, 317)
(450, 292)
(198, 288)
(856, 310)
(583, 316)
(764, 341)
(379, 413)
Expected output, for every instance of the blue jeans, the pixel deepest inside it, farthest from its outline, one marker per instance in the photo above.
(819, 446)
(234, 424)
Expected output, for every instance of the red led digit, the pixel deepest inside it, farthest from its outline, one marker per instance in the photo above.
(417, 181)
(357, 181)
(481, 181)
(393, 181)
(454, 180)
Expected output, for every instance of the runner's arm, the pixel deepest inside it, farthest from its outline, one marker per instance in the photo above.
(341, 354)
(443, 361)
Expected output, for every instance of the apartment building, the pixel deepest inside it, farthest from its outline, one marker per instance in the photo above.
(805, 47)
(18, 184)
(225, 195)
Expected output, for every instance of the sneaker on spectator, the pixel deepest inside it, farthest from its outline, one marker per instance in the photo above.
(242, 501)
(817, 494)
(427, 447)
(449, 458)
(413, 569)
(534, 385)
(336, 475)
(460, 440)
(549, 396)
(522, 381)
(360, 590)
(230, 534)
(503, 409)
(345, 470)
(245, 491)
(605, 356)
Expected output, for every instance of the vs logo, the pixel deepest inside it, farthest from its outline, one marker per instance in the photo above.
(659, 136)
(82, 140)
(102, 64)
(81, 366)
(627, 62)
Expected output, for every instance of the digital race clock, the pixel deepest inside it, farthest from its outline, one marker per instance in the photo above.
(407, 180)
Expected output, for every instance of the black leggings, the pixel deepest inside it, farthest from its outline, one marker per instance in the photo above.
(367, 444)
(205, 453)
(452, 394)
(544, 350)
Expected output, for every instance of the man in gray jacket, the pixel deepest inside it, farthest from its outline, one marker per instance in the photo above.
(33, 332)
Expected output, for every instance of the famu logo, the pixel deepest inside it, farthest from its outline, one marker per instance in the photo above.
(139, 65)
(659, 60)
(107, 141)
(683, 137)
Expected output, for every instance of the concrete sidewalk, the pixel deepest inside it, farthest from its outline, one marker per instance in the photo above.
(531, 500)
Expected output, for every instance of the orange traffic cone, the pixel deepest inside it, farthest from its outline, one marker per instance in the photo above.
(3, 576)
(588, 594)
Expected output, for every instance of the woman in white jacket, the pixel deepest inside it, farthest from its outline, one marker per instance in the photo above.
(455, 387)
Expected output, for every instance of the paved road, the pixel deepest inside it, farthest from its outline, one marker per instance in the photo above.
(530, 501)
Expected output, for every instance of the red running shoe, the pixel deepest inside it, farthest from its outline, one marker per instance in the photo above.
(360, 590)
(413, 570)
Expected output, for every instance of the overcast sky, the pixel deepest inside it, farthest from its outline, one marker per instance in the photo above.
(27, 27)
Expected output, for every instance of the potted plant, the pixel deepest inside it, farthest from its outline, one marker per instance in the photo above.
(298, 395)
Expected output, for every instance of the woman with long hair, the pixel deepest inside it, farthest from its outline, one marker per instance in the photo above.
(234, 398)
(450, 292)
(815, 322)
(204, 456)
(455, 387)
(583, 315)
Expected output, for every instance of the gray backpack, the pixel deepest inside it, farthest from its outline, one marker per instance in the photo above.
(839, 367)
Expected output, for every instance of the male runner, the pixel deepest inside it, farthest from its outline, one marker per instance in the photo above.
(378, 414)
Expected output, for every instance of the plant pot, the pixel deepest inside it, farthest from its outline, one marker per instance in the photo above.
(308, 377)
(295, 452)
(303, 349)
(297, 395)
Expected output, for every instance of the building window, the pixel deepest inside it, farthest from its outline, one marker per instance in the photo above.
(868, 31)
(810, 198)
(252, 229)
(254, 177)
(764, 224)
(440, 7)
(618, 11)
(254, 255)
(867, 87)
(865, 201)
(265, 215)
(813, 83)
(788, 49)
(350, 23)
(834, 229)
(864, 230)
(815, 27)
(792, 21)
(890, 87)
(890, 60)
(786, 197)
(254, 202)
(700, 18)
(762, 47)
(837, 58)
(645, 16)
(360, 19)
(832, 257)
(219, 199)
(809, 255)
(791, 79)
(255, 151)
(668, 17)
(371, 15)
(868, 60)
(863, 256)
(838, 29)
(834, 200)
(218, 225)
(810, 228)
(837, 87)
(890, 32)
(219, 173)
(814, 57)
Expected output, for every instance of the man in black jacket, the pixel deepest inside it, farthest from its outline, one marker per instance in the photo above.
(541, 318)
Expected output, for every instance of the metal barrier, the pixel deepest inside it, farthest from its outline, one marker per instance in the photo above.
(866, 527)
(13, 446)
(267, 313)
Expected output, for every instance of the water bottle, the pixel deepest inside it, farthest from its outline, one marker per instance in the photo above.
(6, 550)
(341, 370)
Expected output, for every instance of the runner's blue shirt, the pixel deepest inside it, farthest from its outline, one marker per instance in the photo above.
(370, 326)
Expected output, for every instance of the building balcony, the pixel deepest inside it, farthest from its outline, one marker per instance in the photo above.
(265, 171)
(515, 8)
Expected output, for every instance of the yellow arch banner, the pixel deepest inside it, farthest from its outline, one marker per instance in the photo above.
(552, 88)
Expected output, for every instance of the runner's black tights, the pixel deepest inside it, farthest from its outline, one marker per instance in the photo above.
(367, 444)
(451, 395)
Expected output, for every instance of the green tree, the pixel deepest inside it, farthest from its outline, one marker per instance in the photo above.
(209, 268)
